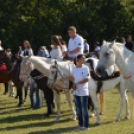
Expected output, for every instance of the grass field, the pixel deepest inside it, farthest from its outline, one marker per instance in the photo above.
(25, 120)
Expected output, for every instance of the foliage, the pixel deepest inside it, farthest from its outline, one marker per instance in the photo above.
(38, 20)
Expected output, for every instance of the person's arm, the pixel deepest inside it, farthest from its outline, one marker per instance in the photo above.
(75, 51)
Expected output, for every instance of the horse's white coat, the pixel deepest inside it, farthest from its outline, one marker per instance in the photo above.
(120, 56)
(43, 65)
(107, 85)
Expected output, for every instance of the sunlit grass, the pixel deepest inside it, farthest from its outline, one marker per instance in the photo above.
(25, 120)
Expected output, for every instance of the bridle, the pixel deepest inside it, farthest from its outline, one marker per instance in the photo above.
(55, 78)
(28, 76)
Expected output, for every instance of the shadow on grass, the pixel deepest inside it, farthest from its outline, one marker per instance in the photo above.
(41, 124)
(13, 111)
(56, 131)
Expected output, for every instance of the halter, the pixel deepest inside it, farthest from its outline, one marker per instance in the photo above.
(28, 76)
(60, 75)
(126, 78)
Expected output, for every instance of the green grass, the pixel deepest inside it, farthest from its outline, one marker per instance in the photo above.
(24, 120)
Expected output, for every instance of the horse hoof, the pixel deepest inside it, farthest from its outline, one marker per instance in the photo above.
(56, 120)
(117, 120)
(126, 118)
(101, 113)
(92, 115)
(20, 105)
(98, 124)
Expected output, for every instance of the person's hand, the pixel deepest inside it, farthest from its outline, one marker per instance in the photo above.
(74, 85)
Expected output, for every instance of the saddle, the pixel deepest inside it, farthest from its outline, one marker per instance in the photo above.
(103, 78)
(2, 68)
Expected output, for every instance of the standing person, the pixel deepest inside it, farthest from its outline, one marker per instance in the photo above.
(1, 48)
(86, 46)
(123, 41)
(41, 52)
(81, 77)
(129, 44)
(46, 52)
(56, 51)
(75, 45)
(28, 50)
(9, 53)
(96, 51)
(33, 89)
(21, 52)
(64, 46)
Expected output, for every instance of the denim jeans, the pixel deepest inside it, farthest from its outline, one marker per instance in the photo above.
(38, 99)
(81, 103)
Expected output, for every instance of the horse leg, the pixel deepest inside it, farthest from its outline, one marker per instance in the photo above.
(25, 95)
(6, 88)
(11, 89)
(102, 101)
(90, 104)
(57, 98)
(94, 99)
(20, 97)
(71, 104)
(123, 100)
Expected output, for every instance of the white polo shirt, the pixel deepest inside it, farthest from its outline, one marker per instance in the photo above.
(80, 74)
(86, 47)
(74, 44)
(97, 49)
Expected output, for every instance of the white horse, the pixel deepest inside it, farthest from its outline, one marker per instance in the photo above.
(28, 64)
(61, 69)
(117, 53)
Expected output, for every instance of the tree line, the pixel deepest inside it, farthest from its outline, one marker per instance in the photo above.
(38, 20)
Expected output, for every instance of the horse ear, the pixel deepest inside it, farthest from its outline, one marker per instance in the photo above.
(111, 45)
(104, 42)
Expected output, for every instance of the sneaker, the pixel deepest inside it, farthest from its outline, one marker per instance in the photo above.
(84, 128)
(78, 128)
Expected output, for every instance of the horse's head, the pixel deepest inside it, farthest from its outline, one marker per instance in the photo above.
(27, 83)
(25, 68)
(55, 76)
(107, 57)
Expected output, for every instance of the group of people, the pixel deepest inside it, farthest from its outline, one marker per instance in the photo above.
(76, 51)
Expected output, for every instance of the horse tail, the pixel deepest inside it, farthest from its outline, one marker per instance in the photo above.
(102, 100)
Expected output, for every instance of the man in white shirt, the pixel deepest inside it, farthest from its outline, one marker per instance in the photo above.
(75, 45)
(21, 52)
(0, 46)
(86, 46)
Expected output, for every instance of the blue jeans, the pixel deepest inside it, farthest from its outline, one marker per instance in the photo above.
(81, 103)
(38, 99)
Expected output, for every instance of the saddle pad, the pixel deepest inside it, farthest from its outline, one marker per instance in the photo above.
(115, 75)
(3, 67)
